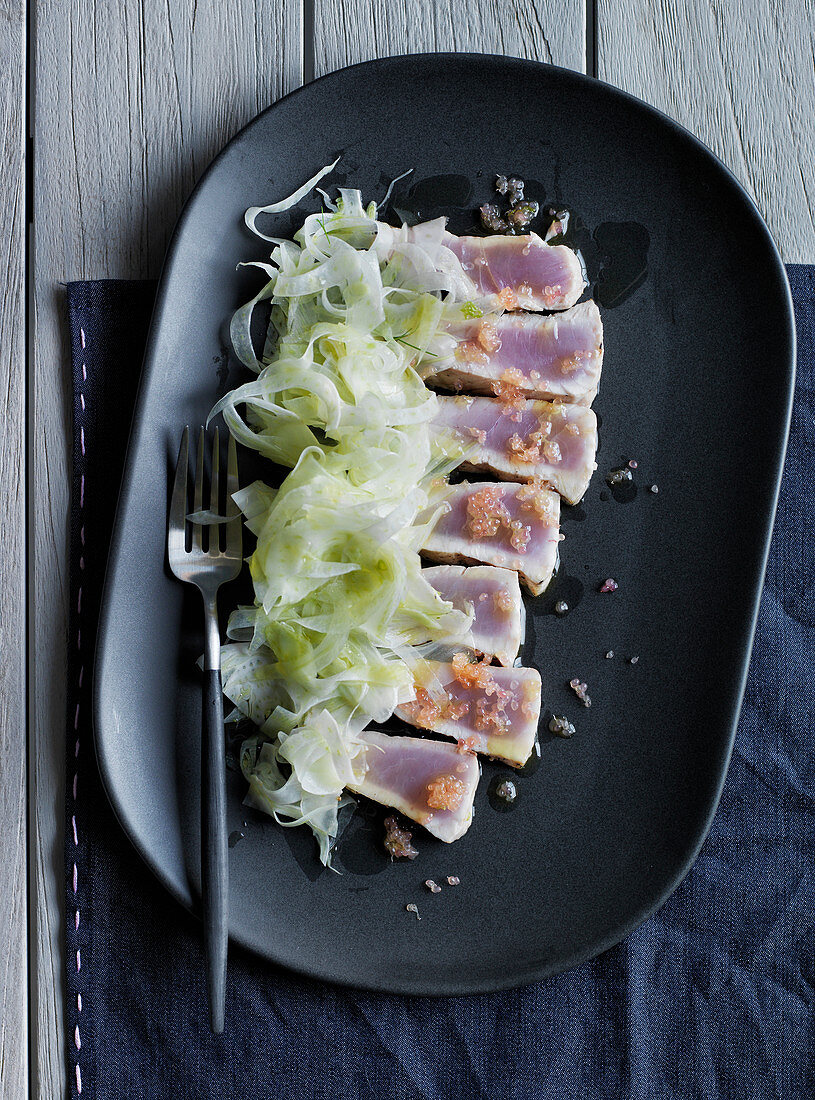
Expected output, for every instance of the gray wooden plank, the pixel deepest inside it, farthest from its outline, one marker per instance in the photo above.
(347, 31)
(740, 77)
(132, 99)
(13, 887)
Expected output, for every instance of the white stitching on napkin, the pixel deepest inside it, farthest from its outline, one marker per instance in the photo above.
(75, 881)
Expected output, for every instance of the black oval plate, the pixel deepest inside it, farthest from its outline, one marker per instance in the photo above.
(696, 387)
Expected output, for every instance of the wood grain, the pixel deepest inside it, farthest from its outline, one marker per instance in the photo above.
(347, 31)
(740, 77)
(13, 886)
(132, 99)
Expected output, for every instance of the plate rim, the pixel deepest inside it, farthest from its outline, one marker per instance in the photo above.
(521, 975)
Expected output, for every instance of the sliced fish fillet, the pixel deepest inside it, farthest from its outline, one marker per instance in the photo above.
(430, 782)
(500, 523)
(557, 357)
(519, 272)
(495, 597)
(499, 272)
(487, 709)
(552, 442)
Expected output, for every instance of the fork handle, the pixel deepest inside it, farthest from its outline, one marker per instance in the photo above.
(214, 867)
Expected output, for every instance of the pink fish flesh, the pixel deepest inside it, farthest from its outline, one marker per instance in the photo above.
(500, 523)
(558, 357)
(498, 272)
(428, 781)
(519, 272)
(555, 443)
(495, 597)
(493, 710)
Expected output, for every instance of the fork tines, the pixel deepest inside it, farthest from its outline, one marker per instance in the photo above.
(217, 540)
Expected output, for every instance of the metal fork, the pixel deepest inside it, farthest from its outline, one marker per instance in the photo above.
(208, 570)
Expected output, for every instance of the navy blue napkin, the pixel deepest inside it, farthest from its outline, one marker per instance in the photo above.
(712, 997)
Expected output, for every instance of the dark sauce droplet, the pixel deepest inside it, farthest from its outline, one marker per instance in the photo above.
(368, 811)
(565, 589)
(578, 236)
(574, 512)
(450, 190)
(235, 836)
(430, 198)
(502, 793)
(622, 485)
(560, 726)
(360, 847)
(625, 493)
(604, 495)
(615, 256)
(533, 763)
(624, 250)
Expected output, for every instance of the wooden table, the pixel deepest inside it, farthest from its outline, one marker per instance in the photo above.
(129, 100)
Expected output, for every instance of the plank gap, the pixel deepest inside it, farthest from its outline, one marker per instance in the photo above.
(31, 1081)
(592, 66)
(307, 25)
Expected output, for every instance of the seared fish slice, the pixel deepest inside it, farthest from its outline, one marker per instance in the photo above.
(519, 272)
(500, 523)
(555, 443)
(495, 596)
(487, 709)
(498, 272)
(558, 357)
(428, 781)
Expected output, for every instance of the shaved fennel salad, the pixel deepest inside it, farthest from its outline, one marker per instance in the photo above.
(342, 613)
